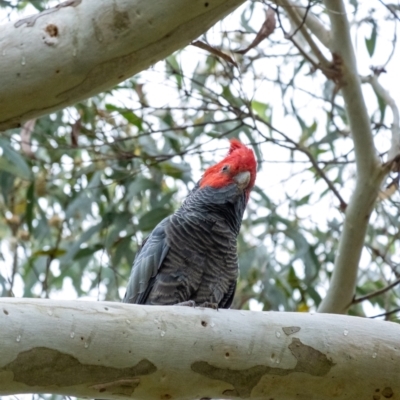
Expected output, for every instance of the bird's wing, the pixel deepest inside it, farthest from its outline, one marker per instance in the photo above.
(227, 300)
(146, 265)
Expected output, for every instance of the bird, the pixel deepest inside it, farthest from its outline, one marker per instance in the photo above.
(190, 258)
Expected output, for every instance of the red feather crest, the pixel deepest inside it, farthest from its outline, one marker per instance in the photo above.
(239, 159)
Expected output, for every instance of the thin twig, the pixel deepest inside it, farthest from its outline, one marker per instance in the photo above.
(312, 22)
(386, 313)
(315, 26)
(300, 23)
(14, 272)
(390, 9)
(304, 53)
(314, 162)
(376, 293)
(384, 258)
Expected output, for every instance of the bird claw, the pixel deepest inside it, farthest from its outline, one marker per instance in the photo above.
(192, 303)
(189, 303)
(207, 304)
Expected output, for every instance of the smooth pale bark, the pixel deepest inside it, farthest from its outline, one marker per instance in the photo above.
(370, 172)
(113, 350)
(80, 48)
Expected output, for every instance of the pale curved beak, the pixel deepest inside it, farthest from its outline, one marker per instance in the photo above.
(242, 179)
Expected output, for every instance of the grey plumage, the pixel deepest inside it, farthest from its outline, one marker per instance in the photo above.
(191, 255)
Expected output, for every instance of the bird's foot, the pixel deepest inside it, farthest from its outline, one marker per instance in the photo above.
(207, 304)
(189, 303)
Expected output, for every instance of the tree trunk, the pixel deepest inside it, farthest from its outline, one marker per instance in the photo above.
(113, 350)
(80, 48)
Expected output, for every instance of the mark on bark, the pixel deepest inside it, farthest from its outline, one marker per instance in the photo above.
(242, 380)
(97, 31)
(387, 392)
(51, 37)
(5, 311)
(123, 387)
(335, 72)
(30, 21)
(230, 393)
(42, 366)
(289, 330)
(309, 361)
(52, 30)
(120, 20)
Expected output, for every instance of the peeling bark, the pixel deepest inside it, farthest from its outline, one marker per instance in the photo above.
(112, 351)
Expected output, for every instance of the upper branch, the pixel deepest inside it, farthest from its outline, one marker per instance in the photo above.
(80, 48)
(369, 171)
(341, 46)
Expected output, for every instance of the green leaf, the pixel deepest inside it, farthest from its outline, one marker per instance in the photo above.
(382, 106)
(245, 18)
(88, 251)
(259, 108)
(75, 247)
(354, 3)
(314, 295)
(123, 250)
(50, 252)
(6, 184)
(177, 171)
(149, 220)
(128, 114)
(253, 143)
(371, 42)
(30, 202)
(229, 96)
(140, 184)
(174, 69)
(12, 162)
(38, 4)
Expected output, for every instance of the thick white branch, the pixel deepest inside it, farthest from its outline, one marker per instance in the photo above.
(369, 171)
(113, 350)
(80, 48)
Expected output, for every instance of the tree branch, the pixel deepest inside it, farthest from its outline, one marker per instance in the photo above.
(299, 23)
(369, 171)
(114, 351)
(394, 150)
(315, 26)
(311, 21)
(79, 48)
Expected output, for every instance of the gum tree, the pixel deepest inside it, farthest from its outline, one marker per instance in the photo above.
(93, 158)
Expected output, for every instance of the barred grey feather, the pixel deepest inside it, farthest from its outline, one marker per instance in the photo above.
(192, 255)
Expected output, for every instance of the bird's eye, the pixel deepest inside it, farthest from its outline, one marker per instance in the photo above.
(225, 168)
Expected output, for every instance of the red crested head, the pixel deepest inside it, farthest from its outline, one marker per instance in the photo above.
(238, 167)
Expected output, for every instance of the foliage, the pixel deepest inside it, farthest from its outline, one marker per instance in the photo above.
(81, 190)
